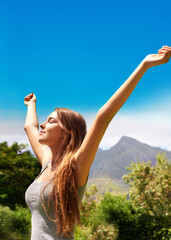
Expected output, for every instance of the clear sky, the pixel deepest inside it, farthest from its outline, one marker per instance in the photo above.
(76, 54)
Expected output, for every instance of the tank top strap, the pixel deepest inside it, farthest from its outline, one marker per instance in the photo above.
(43, 168)
(46, 164)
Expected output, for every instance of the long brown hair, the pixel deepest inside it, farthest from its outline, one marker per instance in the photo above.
(64, 193)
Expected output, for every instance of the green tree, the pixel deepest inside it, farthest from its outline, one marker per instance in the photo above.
(18, 168)
(150, 186)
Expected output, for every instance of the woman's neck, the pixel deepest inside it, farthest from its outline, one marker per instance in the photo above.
(56, 155)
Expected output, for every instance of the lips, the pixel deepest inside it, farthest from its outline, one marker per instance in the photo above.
(41, 132)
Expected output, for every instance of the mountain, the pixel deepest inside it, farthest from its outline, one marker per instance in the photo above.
(110, 165)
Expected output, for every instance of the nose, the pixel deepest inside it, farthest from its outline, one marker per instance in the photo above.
(42, 125)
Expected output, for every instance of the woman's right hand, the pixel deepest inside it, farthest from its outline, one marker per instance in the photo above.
(29, 99)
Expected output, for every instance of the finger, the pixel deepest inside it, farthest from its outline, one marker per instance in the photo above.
(26, 99)
(31, 95)
(166, 47)
(162, 51)
(166, 56)
(27, 96)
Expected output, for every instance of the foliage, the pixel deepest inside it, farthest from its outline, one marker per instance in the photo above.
(14, 225)
(82, 233)
(94, 228)
(144, 216)
(104, 231)
(132, 222)
(89, 203)
(117, 210)
(18, 168)
(150, 187)
(116, 217)
(5, 221)
(22, 219)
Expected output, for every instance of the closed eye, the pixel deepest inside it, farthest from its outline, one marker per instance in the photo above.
(51, 120)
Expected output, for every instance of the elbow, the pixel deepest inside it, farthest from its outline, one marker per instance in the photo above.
(105, 116)
(28, 126)
(25, 127)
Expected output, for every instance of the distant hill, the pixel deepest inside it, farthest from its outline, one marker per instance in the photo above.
(110, 165)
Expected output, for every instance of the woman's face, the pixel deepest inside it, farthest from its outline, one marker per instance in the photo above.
(51, 131)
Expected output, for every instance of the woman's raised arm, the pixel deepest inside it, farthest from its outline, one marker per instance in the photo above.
(32, 129)
(88, 149)
(122, 94)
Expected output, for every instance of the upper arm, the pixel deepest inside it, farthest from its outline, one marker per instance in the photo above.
(42, 152)
(86, 153)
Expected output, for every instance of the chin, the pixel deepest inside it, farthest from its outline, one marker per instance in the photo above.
(42, 141)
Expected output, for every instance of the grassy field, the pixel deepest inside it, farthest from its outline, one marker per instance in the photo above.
(107, 184)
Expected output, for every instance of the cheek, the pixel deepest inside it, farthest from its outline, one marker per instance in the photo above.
(55, 133)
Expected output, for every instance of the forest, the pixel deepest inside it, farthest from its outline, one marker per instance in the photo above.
(144, 214)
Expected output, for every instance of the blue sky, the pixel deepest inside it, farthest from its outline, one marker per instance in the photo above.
(76, 54)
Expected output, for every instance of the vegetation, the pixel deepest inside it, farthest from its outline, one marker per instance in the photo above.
(151, 186)
(15, 225)
(144, 215)
(18, 168)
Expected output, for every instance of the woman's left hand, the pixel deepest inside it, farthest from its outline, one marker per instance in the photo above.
(162, 57)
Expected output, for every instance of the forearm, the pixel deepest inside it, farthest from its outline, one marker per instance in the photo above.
(31, 117)
(113, 105)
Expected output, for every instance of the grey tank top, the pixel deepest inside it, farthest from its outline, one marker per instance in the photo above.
(42, 228)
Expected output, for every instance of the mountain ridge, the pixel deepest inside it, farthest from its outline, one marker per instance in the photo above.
(112, 163)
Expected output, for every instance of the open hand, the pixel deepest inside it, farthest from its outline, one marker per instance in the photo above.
(162, 57)
(29, 99)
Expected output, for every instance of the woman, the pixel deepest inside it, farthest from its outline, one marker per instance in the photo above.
(66, 154)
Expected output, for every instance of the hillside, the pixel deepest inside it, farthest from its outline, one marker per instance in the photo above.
(110, 165)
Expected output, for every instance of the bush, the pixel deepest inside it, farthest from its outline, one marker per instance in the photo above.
(22, 221)
(163, 234)
(94, 226)
(117, 210)
(104, 231)
(5, 222)
(15, 225)
(82, 233)
(150, 186)
(133, 223)
(89, 204)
